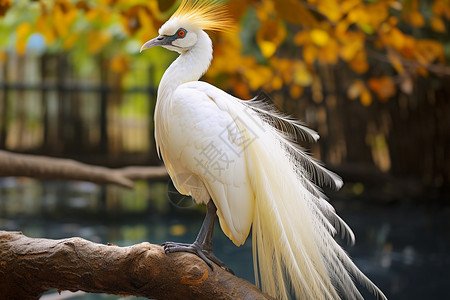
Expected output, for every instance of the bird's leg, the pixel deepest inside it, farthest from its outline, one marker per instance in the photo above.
(207, 244)
(198, 245)
(202, 245)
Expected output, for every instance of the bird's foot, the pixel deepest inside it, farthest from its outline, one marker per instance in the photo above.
(206, 255)
(195, 248)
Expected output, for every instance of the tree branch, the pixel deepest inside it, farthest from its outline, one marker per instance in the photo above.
(12, 164)
(29, 267)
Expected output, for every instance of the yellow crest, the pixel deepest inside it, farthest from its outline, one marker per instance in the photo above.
(205, 14)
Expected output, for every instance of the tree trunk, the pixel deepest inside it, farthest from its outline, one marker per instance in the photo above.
(29, 267)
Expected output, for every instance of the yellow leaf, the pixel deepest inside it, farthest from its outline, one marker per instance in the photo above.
(437, 24)
(277, 83)
(348, 5)
(441, 8)
(349, 50)
(302, 76)
(427, 51)
(236, 8)
(359, 63)
(319, 37)
(23, 29)
(264, 10)
(270, 35)
(342, 27)
(393, 21)
(302, 38)
(21, 46)
(294, 12)
(146, 25)
(119, 64)
(295, 91)
(383, 87)
(357, 15)
(258, 76)
(284, 67)
(97, 40)
(267, 48)
(45, 29)
(309, 53)
(145, 18)
(366, 98)
(92, 15)
(351, 44)
(70, 41)
(241, 89)
(378, 13)
(415, 18)
(397, 38)
(330, 8)
(330, 53)
(22, 32)
(64, 14)
(401, 42)
(3, 56)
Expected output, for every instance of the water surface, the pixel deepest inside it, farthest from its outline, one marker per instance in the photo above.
(403, 248)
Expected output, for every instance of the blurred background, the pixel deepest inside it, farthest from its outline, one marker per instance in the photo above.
(372, 77)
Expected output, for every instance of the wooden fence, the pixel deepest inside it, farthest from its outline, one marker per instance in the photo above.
(46, 109)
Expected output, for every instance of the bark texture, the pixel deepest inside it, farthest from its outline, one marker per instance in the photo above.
(12, 164)
(31, 266)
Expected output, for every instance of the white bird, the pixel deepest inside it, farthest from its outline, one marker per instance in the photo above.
(240, 159)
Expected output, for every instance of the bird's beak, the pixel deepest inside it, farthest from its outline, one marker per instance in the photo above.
(158, 41)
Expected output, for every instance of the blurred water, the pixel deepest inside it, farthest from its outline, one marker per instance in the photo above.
(403, 248)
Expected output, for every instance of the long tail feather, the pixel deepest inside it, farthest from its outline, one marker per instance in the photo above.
(295, 254)
(264, 106)
(288, 131)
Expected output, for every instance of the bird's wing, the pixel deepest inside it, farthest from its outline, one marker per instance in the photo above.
(203, 143)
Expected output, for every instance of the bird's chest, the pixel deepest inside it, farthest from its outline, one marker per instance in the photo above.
(189, 124)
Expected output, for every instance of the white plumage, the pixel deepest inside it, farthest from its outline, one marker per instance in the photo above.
(242, 155)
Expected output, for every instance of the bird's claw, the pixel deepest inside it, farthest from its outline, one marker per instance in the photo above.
(171, 247)
(172, 244)
(207, 256)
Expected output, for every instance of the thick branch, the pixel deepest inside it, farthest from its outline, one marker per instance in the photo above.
(12, 164)
(29, 267)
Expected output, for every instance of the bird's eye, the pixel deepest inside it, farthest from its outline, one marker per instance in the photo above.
(181, 33)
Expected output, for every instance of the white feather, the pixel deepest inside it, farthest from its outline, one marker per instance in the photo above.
(262, 104)
(288, 132)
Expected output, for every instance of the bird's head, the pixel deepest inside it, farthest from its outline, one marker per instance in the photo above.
(182, 31)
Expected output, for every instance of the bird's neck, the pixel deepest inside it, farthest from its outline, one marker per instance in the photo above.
(189, 66)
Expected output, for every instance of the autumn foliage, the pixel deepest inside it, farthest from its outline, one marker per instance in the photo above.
(277, 44)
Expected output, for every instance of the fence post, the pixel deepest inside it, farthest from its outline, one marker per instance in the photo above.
(44, 102)
(4, 102)
(103, 107)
